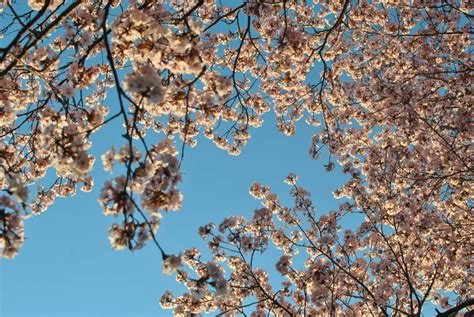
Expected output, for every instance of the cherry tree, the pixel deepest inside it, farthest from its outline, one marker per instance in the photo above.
(387, 86)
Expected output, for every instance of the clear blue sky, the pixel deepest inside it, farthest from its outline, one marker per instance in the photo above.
(67, 267)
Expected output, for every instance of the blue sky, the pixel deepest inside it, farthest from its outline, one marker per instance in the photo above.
(67, 267)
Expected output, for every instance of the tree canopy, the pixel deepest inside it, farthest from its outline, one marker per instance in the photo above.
(386, 86)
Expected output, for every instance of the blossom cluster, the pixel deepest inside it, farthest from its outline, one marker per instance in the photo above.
(154, 180)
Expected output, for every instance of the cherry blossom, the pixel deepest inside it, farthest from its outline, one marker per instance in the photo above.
(171, 263)
(386, 86)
